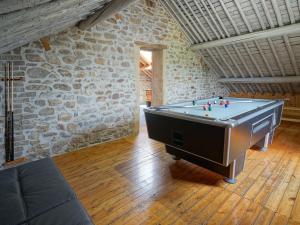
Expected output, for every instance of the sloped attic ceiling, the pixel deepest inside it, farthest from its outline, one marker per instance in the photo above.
(23, 21)
(245, 39)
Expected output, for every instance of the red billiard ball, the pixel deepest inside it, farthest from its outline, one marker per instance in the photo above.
(204, 107)
(221, 102)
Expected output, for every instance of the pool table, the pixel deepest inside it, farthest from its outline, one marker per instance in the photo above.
(215, 132)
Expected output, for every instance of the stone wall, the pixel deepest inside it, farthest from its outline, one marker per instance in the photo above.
(145, 84)
(83, 91)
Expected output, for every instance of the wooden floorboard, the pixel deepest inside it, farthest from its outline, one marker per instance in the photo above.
(134, 181)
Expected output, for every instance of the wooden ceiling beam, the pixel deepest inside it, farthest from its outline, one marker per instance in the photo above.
(104, 13)
(279, 31)
(8, 6)
(261, 80)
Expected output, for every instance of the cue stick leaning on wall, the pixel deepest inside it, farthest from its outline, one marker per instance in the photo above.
(12, 112)
(9, 117)
(6, 97)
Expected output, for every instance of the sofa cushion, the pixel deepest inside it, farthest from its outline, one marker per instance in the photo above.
(37, 193)
(43, 187)
(11, 201)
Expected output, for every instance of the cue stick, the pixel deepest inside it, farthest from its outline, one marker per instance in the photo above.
(9, 112)
(12, 113)
(6, 112)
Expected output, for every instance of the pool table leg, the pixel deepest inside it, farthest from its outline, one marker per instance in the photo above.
(236, 167)
(264, 143)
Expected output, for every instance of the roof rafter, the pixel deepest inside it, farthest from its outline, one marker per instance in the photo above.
(277, 12)
(193, 22)
(104, 13)
(176, 17)
(254, 6)
(197, 19)
(243, 15)
(290, 11)
(267, 13)
(229, 17)
(218, 64)
(279, 31)
(265, 80)
(196, 35)
(217, 16)
(207, 21)
(234, 63)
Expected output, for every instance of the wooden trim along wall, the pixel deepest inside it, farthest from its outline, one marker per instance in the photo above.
(291, 111)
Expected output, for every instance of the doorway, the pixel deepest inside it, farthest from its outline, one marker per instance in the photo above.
(150, 79)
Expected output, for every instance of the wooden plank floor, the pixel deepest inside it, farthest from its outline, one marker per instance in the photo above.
(133, 181)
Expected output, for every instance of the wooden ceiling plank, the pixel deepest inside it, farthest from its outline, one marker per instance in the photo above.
(243, 16)
(278, 62)
(216, 62)
(8, 42)
(254, 63)
(246, 47)
(207, 21)
(226, 64)
(235, 64)
(8, 6)
(277, 12)
(198, 21)
(218, 65)
(276, 56)
(290, 11)
(275, 32)
(262, 80)
(104, 13)
(33, 15)
(217, 16)
(244, 64)
(267, 13)
(254, 6)
(229, 17)
(186, 31)
(280, 23)
(196, 35)
(201, 36)
(291, 54)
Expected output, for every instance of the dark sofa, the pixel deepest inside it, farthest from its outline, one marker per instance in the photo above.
(37, 194)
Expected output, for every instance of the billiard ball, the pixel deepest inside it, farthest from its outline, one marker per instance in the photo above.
(204, 107)
(221, 102)
(215, 102)
(209, 108)
(226, 105)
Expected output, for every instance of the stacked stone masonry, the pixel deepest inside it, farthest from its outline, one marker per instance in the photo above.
(83, 91)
